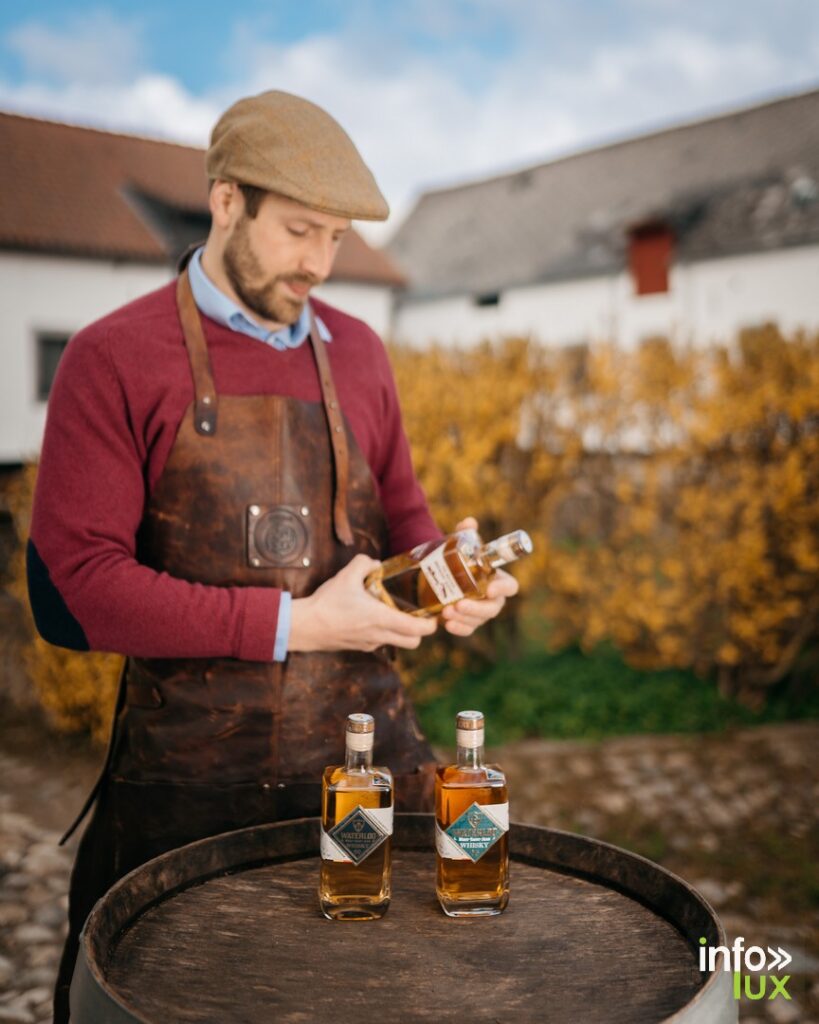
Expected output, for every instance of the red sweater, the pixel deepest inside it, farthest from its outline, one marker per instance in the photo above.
(120, 392)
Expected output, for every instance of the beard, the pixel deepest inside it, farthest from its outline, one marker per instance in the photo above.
(266, 300)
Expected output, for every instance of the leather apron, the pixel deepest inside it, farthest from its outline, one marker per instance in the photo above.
(258, 490)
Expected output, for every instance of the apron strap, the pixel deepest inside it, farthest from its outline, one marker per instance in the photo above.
(338, 435)
(187, 254)
(204, 411)
(206, 399)
(109, 753)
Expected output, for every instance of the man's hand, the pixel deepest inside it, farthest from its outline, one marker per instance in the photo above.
(342, 616)
(464, 617)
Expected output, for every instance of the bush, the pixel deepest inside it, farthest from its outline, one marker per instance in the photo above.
(76, 689)
(671, 493)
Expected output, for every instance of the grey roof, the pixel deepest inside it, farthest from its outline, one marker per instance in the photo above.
(741, 182)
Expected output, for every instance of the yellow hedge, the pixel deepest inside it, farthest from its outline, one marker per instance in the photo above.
(671, 494)
(76, 689)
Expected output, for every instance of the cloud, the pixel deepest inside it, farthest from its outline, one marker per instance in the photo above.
(92, 48)
(420, 124)
(148, 105)
(426, 117)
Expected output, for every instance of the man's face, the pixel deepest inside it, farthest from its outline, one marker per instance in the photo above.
(272, 260)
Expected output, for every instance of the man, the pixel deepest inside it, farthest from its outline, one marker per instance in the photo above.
(223, 464)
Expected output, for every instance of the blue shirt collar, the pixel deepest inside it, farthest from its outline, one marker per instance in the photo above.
(215, 304)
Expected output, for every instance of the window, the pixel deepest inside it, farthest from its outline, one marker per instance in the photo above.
(487, 299)
(649, 258)
(50, 347)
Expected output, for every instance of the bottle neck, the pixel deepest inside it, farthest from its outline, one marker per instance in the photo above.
(358, 760)
(470, 757)
(506, 549)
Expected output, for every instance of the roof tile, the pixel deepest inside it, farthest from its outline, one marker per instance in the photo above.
(76, 191)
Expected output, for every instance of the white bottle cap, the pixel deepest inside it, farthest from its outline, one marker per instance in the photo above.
(360, 732)
(469, 729)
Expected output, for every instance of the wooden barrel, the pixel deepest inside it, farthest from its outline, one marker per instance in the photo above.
(228, 930)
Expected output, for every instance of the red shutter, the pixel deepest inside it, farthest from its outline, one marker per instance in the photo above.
(649, 258)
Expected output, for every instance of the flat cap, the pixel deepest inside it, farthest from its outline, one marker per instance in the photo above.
(285, 144)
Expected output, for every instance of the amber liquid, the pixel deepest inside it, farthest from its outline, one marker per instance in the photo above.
(465, 888)
(355, 892)
(401, 582)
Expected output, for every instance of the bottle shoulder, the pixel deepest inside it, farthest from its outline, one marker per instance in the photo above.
(374, 777)
(458, 775)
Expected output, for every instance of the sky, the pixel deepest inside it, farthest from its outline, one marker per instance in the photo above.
(433, 92)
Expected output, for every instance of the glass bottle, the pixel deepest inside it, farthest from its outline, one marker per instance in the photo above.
(422, 581)
(471, 827)
(356, 830)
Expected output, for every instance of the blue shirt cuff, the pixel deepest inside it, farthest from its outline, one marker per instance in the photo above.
(283, 627)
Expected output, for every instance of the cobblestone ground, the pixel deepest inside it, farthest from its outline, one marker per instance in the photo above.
(735, 815)
(32, 912)
(43, 779)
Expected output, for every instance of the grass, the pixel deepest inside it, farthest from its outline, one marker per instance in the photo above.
(645, 838)
(786, 892)
(572, 695)
(793, 886)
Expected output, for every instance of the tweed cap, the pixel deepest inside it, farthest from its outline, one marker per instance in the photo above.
(285, 144)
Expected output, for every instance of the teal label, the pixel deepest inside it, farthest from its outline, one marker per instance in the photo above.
(474, 832)
(358, 835)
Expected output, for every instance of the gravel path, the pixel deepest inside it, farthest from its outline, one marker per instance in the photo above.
(734, 814)
(43, 780)
(32, 915)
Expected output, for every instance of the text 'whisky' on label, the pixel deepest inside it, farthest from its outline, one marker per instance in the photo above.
(356, 830)
(441, 572)
(471, 827)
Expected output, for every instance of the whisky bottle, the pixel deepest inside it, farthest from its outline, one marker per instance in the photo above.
(356, 826)
(471, 827)
(422, 581)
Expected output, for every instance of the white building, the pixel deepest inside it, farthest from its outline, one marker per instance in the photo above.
(694, 233)
(90, 220)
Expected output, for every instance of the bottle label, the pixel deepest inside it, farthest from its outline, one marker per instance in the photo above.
(355, 837)
(469, 738)
(505, 552)
(476, 831)
(439, 576)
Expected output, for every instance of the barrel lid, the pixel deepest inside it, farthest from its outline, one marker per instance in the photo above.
(139, 963)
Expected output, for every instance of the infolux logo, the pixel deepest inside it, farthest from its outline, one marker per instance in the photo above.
(754, 959)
